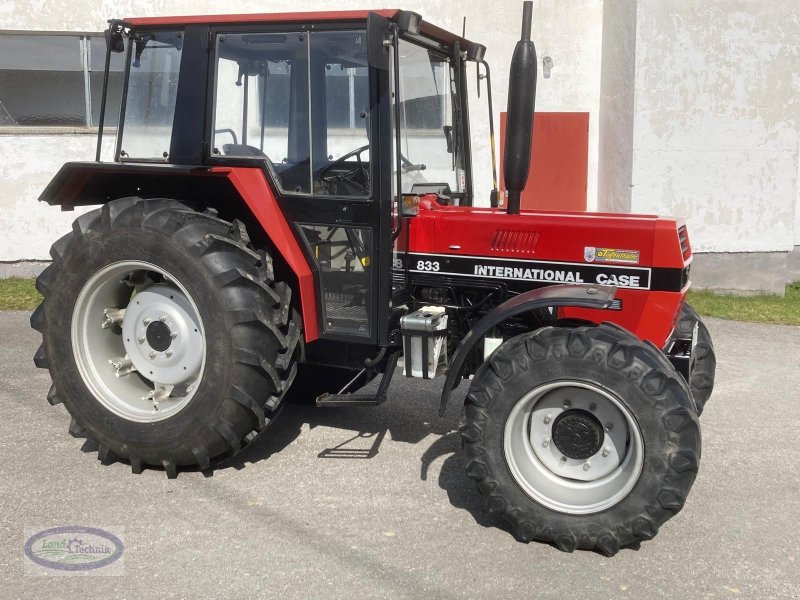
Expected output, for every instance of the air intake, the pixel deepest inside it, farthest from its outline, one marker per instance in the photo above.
(515, 242)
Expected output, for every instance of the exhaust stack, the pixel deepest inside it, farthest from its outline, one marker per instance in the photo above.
(521, 103)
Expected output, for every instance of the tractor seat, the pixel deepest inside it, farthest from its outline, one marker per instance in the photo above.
(242, 150)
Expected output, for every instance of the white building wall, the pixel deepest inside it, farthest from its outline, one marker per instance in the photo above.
(618, 76)
(569, 31)
(717, 109)
(27, 227)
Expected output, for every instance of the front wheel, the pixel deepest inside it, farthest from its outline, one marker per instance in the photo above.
(704, 360)
(584, 437)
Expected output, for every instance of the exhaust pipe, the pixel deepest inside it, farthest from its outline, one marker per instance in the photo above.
(521, 103)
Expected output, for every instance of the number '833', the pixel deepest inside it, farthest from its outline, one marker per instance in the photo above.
(427, 265)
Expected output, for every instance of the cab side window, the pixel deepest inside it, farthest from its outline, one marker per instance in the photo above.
(300, 101)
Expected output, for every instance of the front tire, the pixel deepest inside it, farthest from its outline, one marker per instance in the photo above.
(704, 367)
(165, 335)
(582, 437)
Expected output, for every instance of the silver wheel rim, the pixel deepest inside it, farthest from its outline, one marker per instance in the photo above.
(138, 341)
(569, 485)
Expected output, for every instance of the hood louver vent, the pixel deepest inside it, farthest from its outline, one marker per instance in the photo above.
(516, 242)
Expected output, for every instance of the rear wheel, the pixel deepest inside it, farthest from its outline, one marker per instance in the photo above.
(584, 437)
(704, 366)
(165, 335)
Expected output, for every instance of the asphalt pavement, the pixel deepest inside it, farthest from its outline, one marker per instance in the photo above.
(373, 502)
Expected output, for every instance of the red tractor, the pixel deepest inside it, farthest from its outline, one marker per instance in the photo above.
(290, 210)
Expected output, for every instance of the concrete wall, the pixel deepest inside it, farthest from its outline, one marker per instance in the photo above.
(717, 107)
(28, 227)
(716, 132)
(615, 156)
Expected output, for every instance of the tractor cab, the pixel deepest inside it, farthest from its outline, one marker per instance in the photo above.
(344, 113)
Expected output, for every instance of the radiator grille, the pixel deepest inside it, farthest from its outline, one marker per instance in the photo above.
(513, 241)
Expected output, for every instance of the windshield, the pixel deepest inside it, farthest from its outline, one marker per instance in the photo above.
(430, 136)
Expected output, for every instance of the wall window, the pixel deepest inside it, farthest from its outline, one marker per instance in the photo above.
(56, 80)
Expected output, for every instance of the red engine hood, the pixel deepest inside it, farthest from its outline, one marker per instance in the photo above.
(612, 238)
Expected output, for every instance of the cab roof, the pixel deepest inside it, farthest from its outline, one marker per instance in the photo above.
(288, 17)
(428, 29)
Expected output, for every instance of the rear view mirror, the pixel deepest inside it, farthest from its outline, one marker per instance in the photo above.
(448, 135)
(114, 40)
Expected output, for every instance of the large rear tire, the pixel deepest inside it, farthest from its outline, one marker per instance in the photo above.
(583, 437)
(704, 366)
(164, 333)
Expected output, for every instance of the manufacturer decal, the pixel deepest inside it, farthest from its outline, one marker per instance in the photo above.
(606, 255)
(521, 275)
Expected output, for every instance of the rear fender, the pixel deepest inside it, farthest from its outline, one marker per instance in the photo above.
(93, 183)
(555, 296)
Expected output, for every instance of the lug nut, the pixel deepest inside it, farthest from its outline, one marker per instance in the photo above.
(146, 322)
(547, 419)
(162, 318)
(609, 426)
(593, 407)
(168, 353)
(140, 340)
(563, 460)
(173, 335)
(587, 465)
(152, 355)
(606, 451)
(567, 404)
(546, 442)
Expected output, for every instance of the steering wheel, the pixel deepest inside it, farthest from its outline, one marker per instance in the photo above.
(358, 176)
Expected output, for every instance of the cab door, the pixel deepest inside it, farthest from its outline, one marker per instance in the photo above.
(305, 104)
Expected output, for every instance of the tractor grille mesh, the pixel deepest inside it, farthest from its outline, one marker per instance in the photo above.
(517, 242)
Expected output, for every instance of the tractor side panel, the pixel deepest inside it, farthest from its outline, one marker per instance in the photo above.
(650, 315)
(252, 186)
(541, 248)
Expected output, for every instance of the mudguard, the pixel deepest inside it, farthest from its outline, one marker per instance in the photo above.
(557, 295)
(91, 183)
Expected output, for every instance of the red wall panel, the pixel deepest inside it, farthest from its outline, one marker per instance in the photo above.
(559, 161)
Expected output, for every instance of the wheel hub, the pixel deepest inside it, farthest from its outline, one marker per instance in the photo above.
(578, 434)
(162, 337)
(158, 336)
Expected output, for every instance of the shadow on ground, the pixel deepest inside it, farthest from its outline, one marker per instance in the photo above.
(412, 419)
